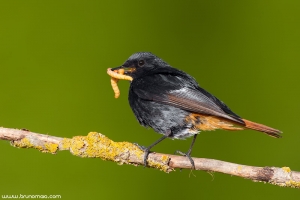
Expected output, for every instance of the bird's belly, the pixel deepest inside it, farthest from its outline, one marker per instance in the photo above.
(163, 118)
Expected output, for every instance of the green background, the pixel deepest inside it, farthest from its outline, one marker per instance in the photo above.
(53, 61)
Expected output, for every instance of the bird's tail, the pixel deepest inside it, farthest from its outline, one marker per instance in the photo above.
(262, 128)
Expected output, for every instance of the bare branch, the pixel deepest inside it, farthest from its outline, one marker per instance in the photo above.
(96, 145)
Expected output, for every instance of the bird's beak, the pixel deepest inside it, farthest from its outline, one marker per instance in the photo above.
(127, 70)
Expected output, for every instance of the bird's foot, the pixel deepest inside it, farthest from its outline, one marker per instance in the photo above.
(146, 152)
(143, 148)
(188, 155)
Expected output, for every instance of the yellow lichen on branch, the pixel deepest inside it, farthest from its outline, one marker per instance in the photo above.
(292, 184)
(26, 143)
(286, 169)
(96, 145)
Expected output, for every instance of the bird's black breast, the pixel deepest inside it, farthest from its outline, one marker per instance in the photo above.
(161, 117)
(144, 95)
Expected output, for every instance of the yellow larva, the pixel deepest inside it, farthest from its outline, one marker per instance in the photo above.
(115, 77)
(114, 85)
(118, 74)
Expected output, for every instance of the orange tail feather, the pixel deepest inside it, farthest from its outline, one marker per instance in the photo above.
(262, 128)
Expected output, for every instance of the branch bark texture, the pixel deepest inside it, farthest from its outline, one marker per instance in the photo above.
(96, 145)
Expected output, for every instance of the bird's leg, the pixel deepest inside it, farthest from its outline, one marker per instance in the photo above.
(188, 154)
(143, 148)
(147, 149)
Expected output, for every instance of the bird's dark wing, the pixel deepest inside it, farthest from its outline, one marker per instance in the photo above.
(194, 101)
(182, 91)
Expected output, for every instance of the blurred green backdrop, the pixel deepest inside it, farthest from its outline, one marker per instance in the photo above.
(53, 61)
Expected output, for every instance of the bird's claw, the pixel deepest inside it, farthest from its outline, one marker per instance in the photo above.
(143, 148)
(188, 155)
(146, 152)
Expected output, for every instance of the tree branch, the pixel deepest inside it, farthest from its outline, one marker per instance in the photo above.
(96, 145)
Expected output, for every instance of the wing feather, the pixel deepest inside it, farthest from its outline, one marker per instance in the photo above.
(180, 90)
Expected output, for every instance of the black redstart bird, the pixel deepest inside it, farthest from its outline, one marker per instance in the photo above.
(172, 103)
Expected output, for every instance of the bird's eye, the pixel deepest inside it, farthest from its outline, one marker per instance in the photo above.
(141, 62)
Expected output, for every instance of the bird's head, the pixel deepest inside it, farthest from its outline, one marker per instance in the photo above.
(141, 64)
